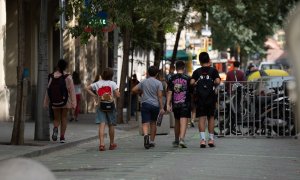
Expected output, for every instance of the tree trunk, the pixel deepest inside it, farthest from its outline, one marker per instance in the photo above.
(126, 51)
(159, 51)
(42, 121)
(18, 129)
(180, 28)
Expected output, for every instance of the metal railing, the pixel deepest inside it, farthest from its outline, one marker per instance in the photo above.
(258, 108)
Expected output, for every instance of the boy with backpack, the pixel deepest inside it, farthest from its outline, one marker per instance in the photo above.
(107, 91)
(205, 79)
(179, 101)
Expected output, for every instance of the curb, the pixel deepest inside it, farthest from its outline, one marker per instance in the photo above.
(59, 146)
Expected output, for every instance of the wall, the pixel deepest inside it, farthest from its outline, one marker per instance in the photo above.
(4, 92)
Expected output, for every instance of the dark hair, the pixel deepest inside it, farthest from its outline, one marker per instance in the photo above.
(97, 78)
(152, 71)
(134, 76)
(204, 57)
(62, 65)
(250, 66)
(180, 65)
(76, 78)
(236, 64)
(107, 74)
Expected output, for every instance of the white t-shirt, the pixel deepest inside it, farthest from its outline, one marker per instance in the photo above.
(95, 86)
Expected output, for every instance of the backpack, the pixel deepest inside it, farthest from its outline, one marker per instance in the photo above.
(180, 90)
(205, 88)
(57, 90)
(236, 87)
(106, 98)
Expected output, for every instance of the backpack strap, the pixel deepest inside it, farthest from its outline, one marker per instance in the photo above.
(234, 72)
(209, 72)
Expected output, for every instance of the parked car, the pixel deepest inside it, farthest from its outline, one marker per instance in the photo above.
(269, 65)
(268, 85)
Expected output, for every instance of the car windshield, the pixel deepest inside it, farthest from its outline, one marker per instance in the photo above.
(270, 66)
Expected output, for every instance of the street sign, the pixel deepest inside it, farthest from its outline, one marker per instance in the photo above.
(206, 32)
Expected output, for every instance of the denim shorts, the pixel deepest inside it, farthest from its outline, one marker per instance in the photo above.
(149, 113)
(108, 118)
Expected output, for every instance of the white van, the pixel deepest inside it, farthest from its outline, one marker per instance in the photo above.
(269, 65)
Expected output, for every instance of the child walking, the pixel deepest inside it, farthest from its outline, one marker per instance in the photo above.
(108, 88)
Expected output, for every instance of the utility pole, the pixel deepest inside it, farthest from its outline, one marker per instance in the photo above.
(61, 29)
(42, 120)
(293, 43)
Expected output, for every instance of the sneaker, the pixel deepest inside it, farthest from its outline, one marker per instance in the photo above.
(62, 140)
(112, 146)
(202, 143)
(72, 119)
(175, 143)
(54, 134)
(152, 145)
(211, 143)
(146, 142)
(182, 144)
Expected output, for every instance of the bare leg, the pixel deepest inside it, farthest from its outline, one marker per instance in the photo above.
(177, 129)
(211, 124)
(57, 117)
(152, 130)
(63, 127)
(202, 123)
(145, 128)
(101, 133)
(111, 134)
(183, 126)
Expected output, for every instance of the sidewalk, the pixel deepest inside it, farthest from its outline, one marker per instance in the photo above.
(77, 132)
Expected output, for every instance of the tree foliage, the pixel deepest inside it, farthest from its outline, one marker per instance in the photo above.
(243, 22)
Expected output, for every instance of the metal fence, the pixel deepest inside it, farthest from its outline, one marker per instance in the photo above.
(260, 108)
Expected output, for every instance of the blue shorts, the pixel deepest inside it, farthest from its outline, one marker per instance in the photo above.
(149, 113)
(108, 118)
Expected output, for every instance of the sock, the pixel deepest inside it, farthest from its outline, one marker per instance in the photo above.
(202, 135)
(151, 142)
(211, 136)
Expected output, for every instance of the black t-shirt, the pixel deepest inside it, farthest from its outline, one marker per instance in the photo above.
(214, 73)
(180, 86)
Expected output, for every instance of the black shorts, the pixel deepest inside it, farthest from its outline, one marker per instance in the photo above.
(206, 110)
(184, 112)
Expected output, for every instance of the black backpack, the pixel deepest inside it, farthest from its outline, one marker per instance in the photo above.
(57, 90)
(205, 88)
